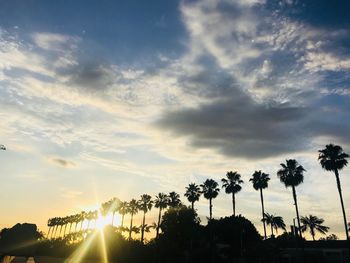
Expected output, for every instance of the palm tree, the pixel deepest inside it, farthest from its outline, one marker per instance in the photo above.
(55, 223)
(123, 210)
(114, 207)
(50, 225)
(133, 208)
(210, 191)
(161, 202)
(70, 221)
(145, 205)
(292, 174)
(174, 200)
(82, 217)
(260, 181)
(76, 221)
(333, 158)
(232, 186)
(193, 192)
(314, 224)
(275, 222)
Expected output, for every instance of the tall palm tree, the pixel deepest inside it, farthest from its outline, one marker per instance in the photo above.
(123, 210)
(314, 224)
(82, 217)
(210, 191)
(133, 208)
(260, 181)
(50, 225)
(275, 222)
(76, 221)
(291, 175)
(145, 205)
(161, 201)
(70, 221)
(193, 192)
(333, 158)
(232, 186)
(174, 200)
(61, 223)
(55, 223)
(114, 206)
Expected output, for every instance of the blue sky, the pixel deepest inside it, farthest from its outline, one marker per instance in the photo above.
(121, 98)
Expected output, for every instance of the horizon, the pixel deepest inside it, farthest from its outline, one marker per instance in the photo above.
(104, 99)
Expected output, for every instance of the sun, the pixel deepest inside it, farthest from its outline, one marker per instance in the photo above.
(102, 221)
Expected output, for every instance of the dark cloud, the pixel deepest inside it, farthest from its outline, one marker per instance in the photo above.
(92, 76)
(63, 162)
(239, 127)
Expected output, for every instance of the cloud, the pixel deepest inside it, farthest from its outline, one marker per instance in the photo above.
(62, 162)
(55, 42)
(259, 78)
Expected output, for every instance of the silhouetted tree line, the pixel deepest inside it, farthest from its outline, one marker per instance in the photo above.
(179, 235)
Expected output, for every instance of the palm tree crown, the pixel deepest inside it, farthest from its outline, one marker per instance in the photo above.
(333, 158)
(291, 173)
(260, 180)
(174, 199)
(314, 224)
(193, 192)
(275, 222)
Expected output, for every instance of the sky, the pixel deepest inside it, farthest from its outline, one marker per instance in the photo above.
(119, 98)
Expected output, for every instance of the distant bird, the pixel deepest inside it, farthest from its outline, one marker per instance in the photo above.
(2, 147)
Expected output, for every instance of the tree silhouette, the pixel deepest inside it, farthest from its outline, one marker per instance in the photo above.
(292, 175)
(123, 210)
(333, 158)
(232, 186)
(114, 207)
(210, 191)
(133, 208)
(174, 200)
(161, 201)
(193, 192)
(260, 181)
(313, 223)
(145, 205)
(275, 222)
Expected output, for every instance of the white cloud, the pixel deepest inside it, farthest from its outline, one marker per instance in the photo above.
(55, 42)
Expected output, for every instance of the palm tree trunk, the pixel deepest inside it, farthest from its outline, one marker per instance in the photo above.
(113, 218)
(81, 225)
(263, 211)
(122, 223)
(143, 226)
(130, 230)
(60, 231)
(272, 235)
(192, 205)
(64, 231)
(54, 233)
(75, 227)
(342, 203)
(233, 204)
(48, 232)
(210, 209)
(159, 216)
(297, 210)
(70, 227)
